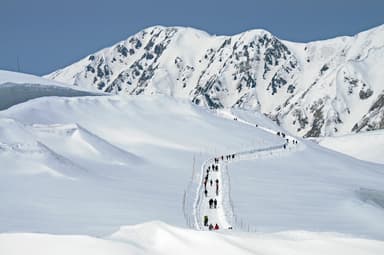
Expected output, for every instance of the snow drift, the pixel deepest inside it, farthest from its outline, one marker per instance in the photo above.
(16, 88)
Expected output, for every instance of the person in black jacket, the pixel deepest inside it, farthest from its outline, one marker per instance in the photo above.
(210, 203)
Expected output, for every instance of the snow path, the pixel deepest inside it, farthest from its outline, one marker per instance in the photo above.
(223, 214)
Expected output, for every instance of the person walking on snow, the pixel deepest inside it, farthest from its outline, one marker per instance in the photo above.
(210, 203)
(216, 227)
(211, 182)
(206, 193)
(210, 227)
(217, 187)
(206, 221)
(215, 203)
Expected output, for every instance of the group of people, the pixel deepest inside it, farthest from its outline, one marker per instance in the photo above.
(216, 167)
(281, 134)
(227, 157)
(209, 180)
(210, 226)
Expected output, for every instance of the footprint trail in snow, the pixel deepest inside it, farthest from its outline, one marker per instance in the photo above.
(213, 172)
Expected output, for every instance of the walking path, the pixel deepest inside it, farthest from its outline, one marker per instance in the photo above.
(223, 214)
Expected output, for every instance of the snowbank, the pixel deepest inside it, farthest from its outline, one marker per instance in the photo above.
(160, 238)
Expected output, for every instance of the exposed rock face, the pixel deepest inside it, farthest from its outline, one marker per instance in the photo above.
(314, 89)
(374, 119)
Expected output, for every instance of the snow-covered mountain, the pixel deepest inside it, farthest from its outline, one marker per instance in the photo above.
(312, 89)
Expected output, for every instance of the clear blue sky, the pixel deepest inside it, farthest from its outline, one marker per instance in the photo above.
(50, 34)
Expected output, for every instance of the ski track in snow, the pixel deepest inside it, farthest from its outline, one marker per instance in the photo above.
(224, 215)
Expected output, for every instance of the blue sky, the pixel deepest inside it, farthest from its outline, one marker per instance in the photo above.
(48, 34)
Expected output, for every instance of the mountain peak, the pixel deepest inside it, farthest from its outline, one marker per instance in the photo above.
(313, 89)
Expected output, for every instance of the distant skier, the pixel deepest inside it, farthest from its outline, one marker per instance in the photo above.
(215, 203)
(233, 156)
(206, 193)
(210, 227)
(216, 227)
(211, 182)
(206, 221)
(284, 146)
(217, 187)
(210, 203)
(205, 183)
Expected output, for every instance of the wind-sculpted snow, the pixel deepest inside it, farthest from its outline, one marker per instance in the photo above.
(12, 93)
(160, 238)
(17, 88)
(313, 89)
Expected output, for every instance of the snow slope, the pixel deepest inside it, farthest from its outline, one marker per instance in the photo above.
(121, 160)
(365, 145)
(160, 238)
(18, 87)
(125, 148)
(320, 88)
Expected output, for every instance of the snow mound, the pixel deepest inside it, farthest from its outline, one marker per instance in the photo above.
(75, 140)
(21, 153)
(160, 238)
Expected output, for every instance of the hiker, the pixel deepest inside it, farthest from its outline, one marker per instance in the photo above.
(210, 227)
(215, 203)
(205, 183)
(284, 146)
(206, 192)
(217, 168)
(210, 203)
(211, 182)
(217, 187)
(233, 156)
(216, 227)
(206, 221)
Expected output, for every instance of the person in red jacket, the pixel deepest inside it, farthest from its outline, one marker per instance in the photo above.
(216, 227)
